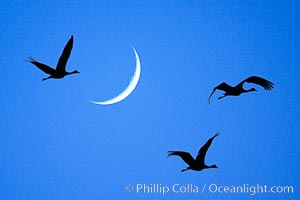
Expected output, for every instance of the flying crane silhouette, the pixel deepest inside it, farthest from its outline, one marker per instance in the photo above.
(60, 70)
(238, 89)
(197, 164)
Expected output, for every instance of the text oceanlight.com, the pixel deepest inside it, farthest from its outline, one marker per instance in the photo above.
(162, 189)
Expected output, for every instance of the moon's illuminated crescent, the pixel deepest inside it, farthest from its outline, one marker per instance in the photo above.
(133, 83)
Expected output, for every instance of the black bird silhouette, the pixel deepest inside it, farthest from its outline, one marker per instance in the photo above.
(238, 89)
(195, 164)
(60, 70)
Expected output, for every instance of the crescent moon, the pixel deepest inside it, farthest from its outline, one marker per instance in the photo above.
(129, 89)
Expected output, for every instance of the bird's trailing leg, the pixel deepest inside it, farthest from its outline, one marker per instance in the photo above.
(222, 97)
(46, 78)
(183, 170)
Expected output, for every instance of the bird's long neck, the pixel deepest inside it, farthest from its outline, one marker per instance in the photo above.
(73, 72)
(211, 166)
(68, 73)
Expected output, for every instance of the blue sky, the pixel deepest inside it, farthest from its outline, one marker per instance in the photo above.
(55, 144)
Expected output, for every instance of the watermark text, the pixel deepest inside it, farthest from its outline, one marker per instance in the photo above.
(212, 188)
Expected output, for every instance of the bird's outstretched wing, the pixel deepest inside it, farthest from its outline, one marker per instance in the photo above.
(41, 66)
(202, 152)
(267, 85)
(63, 59)
(223, 86)
(185, 156)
